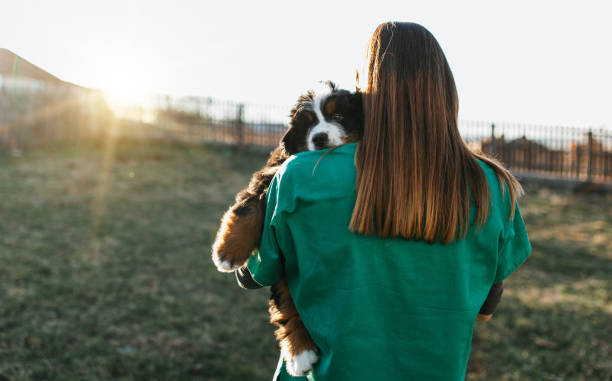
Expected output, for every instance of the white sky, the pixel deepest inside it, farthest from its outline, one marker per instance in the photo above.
(528, 61)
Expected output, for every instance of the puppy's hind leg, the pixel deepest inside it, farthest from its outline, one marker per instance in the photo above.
(238, 234)
(299, 351)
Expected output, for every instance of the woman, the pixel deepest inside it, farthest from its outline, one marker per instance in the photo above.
(391, 245)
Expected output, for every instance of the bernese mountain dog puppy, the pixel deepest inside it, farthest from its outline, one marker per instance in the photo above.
(318, 121)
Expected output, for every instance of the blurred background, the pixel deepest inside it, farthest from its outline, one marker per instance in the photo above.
(126, 128)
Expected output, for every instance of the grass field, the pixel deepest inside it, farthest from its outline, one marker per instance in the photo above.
(105, 273)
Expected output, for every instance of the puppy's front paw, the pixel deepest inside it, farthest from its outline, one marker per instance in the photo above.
(228, 252)
(224, 265)
(301, 363)
(236, 239)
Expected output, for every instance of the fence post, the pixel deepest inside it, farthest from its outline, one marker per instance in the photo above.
(196, 131)
(590, 157)
(240, 124)
(492, 139)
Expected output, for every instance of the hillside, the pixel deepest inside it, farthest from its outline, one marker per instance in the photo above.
(12, 64)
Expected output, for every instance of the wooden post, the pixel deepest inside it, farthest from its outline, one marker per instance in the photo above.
(578, 160)
(196, 130)
(240, 125)
(492, 139)
(590, 156)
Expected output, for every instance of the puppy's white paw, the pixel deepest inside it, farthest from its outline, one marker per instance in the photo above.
(300, 364)
(222, 265)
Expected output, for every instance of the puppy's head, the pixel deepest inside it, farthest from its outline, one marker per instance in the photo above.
(323, 120)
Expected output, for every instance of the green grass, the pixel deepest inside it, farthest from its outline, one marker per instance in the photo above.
(105, 273)
(555, 319)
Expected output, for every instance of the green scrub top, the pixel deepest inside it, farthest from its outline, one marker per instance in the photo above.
(379, 309)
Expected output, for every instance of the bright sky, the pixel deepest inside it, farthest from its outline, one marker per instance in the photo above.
(527, 61)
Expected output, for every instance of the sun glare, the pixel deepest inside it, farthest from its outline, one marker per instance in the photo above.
(125, 87)
(128, 93)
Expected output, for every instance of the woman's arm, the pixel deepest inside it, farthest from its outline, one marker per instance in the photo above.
(490, 305)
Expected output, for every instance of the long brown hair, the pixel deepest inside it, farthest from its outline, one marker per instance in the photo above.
(416, 178)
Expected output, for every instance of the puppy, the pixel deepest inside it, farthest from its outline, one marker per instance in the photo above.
(318, 121)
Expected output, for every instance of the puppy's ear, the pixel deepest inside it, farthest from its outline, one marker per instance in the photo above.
(294, 140)
(289, 141)
(302, 117)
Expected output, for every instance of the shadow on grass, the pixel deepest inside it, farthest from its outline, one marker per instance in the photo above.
(543, 341)
(553, 263)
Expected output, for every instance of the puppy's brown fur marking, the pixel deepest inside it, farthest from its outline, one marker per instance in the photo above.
(238, 235)
(240, 230)
(330, 106)
(291, 331)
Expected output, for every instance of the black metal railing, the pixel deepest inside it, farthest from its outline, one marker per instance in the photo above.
(553, 151)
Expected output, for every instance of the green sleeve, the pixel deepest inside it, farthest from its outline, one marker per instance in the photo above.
(514, 247)
(266, 264)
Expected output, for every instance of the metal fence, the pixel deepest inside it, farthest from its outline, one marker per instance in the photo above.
(204, 119)
(552, 151)
(548, 151)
